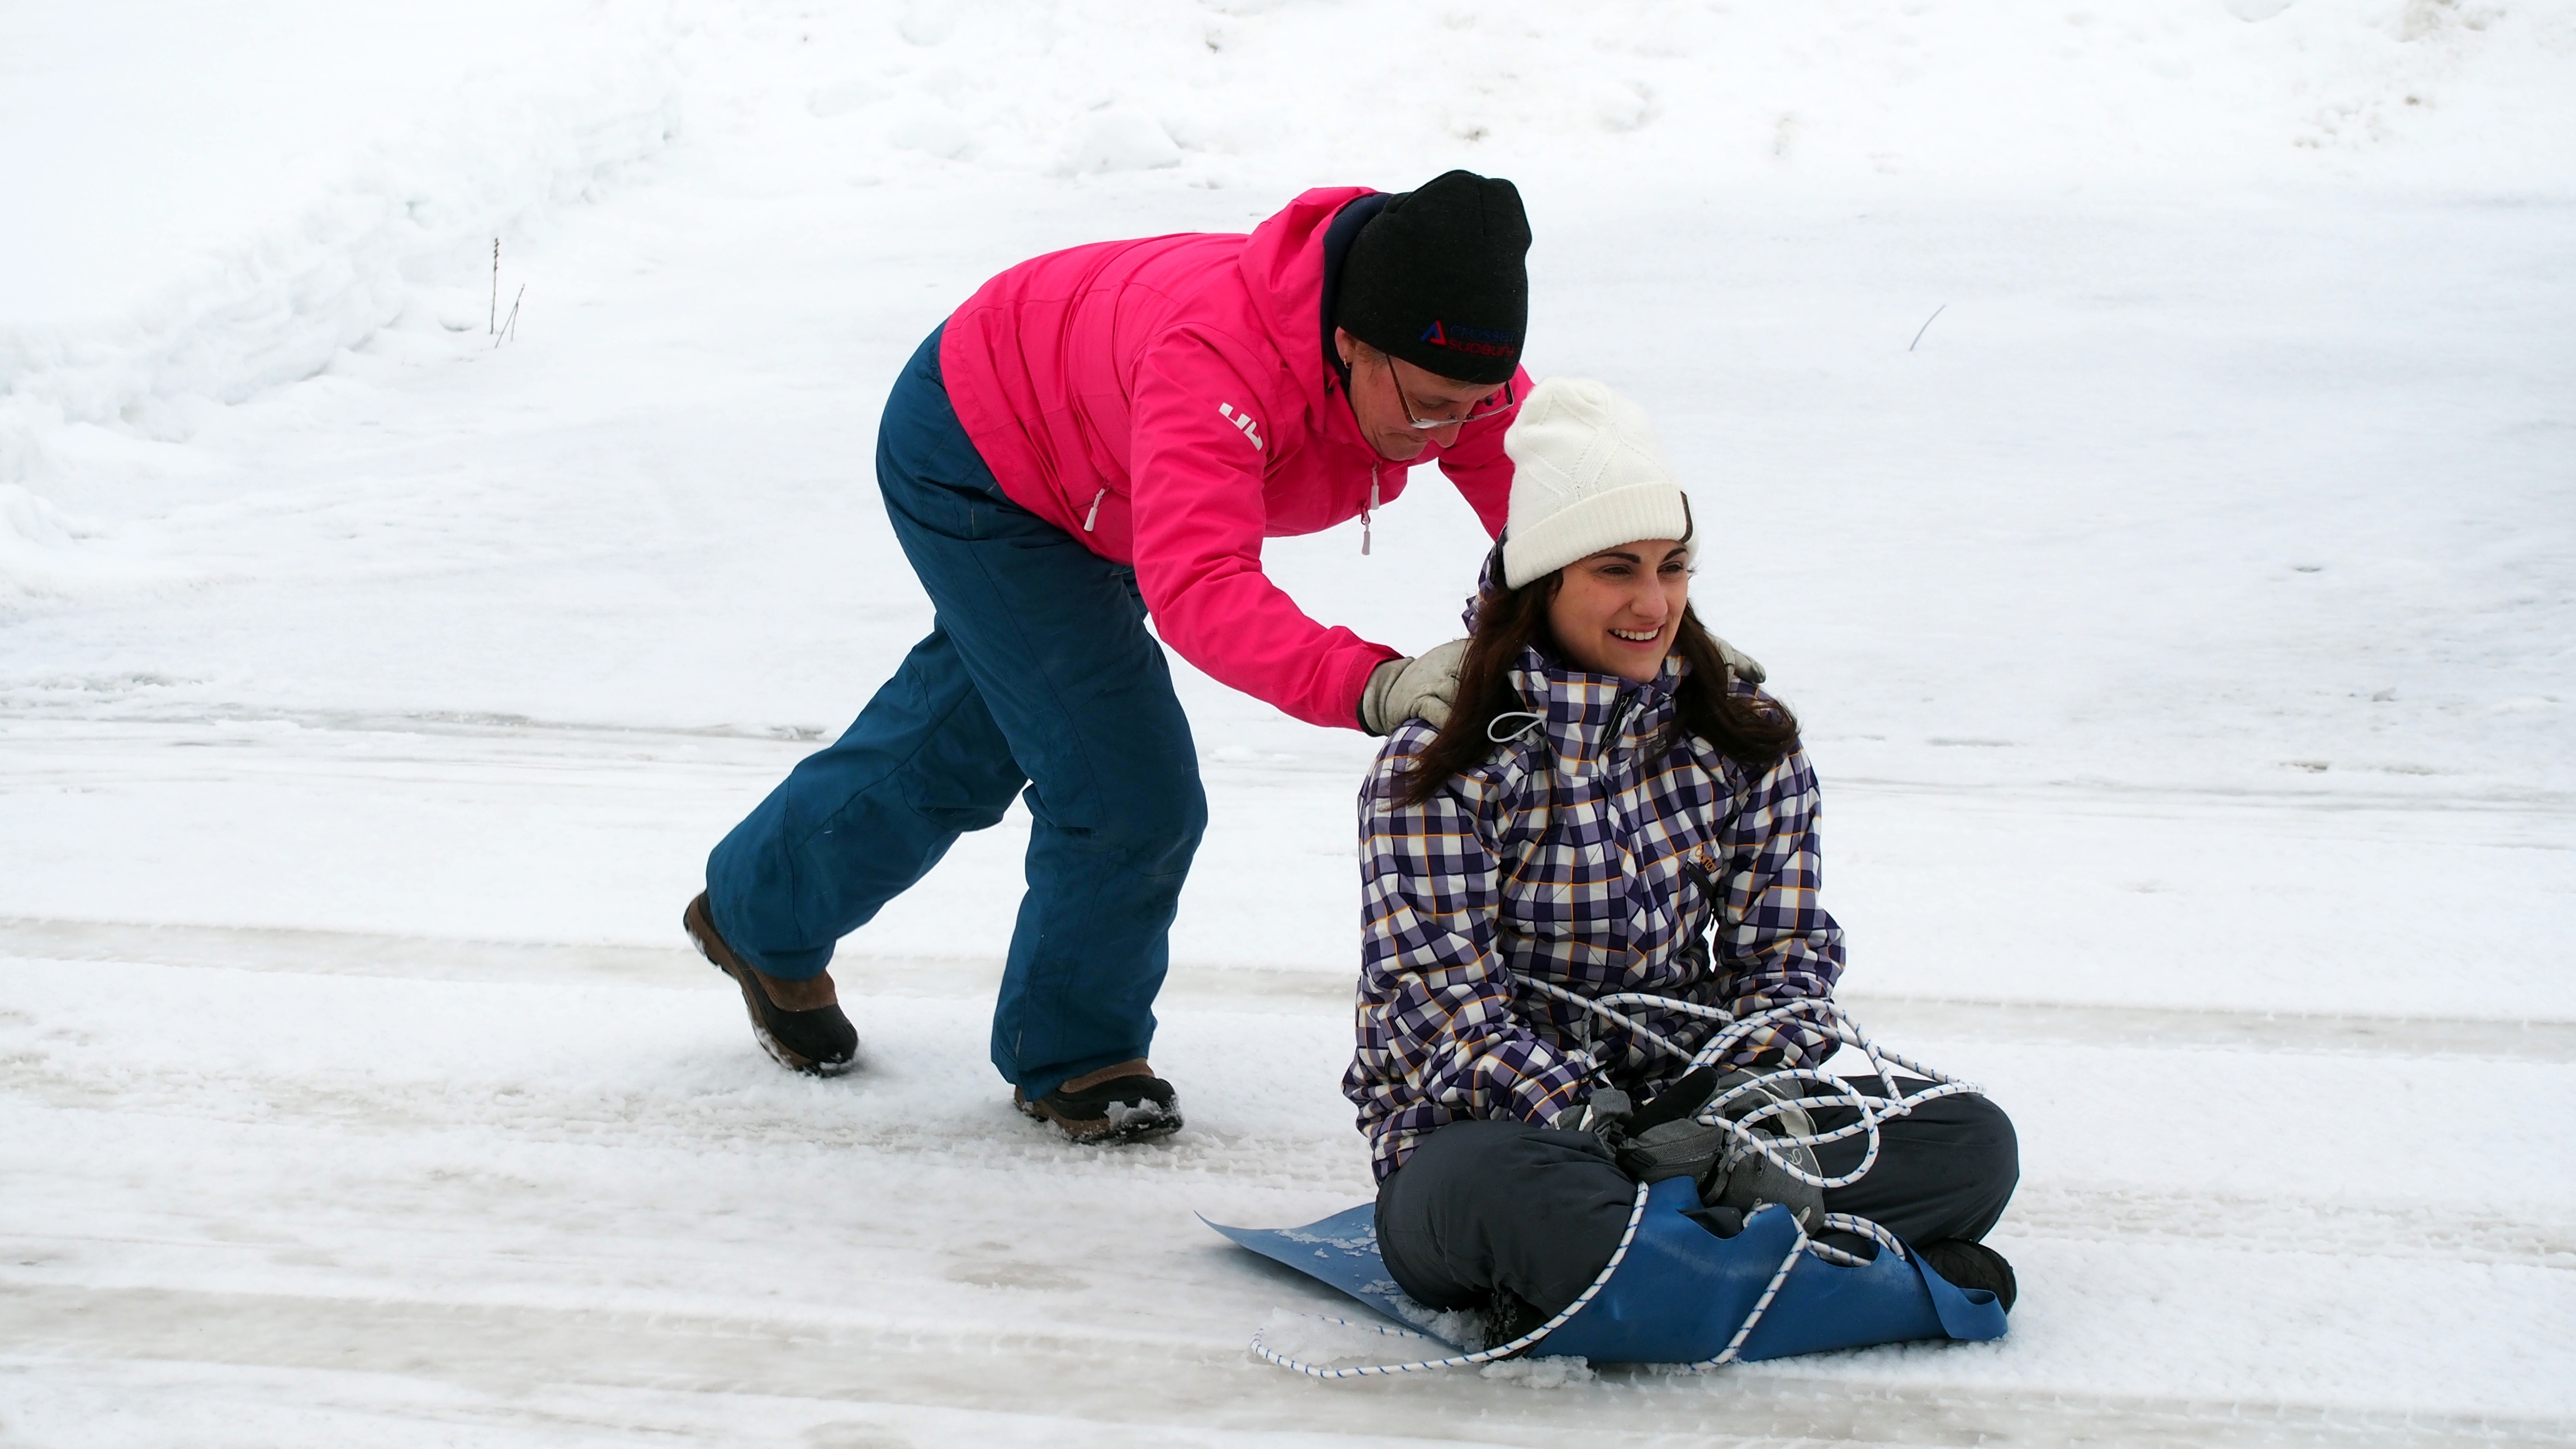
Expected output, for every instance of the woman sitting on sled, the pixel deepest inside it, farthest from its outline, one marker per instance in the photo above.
(1606, 811)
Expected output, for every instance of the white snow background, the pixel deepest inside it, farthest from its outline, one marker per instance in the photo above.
(2181, 622)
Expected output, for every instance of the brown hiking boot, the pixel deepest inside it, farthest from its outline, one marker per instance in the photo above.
(1122, 1103)
(798, 1022)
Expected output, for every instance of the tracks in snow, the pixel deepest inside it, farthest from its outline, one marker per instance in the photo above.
(699, 1116)
(335, 953)
(499, 1161)
(1154, 1388)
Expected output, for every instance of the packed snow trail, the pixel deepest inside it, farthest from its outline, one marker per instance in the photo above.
(388, 1187)
(2181, 629)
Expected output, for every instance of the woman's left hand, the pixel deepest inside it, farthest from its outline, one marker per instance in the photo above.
(1403, 689)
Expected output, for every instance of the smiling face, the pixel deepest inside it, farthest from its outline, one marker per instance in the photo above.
(1617, 611)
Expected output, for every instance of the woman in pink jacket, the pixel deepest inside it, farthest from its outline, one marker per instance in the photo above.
(1098, 435)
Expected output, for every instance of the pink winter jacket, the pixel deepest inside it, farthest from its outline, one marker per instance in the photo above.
(1168, 403)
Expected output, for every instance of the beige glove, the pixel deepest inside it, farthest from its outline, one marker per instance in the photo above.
(1743, 665)
(1403, 689)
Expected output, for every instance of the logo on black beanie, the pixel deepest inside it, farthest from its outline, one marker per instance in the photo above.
(1482, 341)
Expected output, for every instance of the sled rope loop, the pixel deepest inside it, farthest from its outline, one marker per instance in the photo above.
(1822, 1014)
(1636, 1215)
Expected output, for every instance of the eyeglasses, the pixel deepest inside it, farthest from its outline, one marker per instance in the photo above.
(1491, 405)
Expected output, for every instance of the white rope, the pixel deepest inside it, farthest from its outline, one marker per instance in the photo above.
(1827, 1018)
(1863, 1227)
(1822, 1014)
(1761, 1305)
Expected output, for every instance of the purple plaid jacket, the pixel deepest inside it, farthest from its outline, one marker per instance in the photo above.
(1572, 858)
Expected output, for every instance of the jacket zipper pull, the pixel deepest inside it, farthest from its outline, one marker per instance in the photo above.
(1365, 512)
(1093, 516)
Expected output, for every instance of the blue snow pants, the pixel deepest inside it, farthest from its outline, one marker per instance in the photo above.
(1038, 672)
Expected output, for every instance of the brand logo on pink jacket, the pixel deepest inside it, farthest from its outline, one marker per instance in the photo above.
(1241, 420)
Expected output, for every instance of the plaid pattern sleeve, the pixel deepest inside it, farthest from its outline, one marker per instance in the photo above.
(1774, 941)
(1440, 1037)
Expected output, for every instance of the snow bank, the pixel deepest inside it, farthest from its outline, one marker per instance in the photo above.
(228, 199)
(1686, 96)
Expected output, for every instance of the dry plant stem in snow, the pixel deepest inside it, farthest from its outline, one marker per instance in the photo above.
(510, 324)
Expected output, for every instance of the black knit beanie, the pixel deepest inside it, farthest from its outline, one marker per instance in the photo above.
(1440, 278)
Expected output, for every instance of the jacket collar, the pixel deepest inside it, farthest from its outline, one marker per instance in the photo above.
(1283, 264)
(1345, 229)
(1589, 715)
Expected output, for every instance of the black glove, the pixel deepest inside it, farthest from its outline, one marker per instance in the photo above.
(1679, 1103)
(1664, 1138)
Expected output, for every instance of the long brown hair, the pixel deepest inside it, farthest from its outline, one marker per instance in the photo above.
(1753, 734)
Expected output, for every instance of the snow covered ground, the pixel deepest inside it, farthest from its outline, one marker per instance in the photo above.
(2183, 628)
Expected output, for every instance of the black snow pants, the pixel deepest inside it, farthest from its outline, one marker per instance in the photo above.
(1487, 1208)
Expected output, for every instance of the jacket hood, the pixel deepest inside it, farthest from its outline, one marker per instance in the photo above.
(1283, 270)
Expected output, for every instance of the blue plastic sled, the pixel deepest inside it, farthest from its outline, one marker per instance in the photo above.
(1682, 1292)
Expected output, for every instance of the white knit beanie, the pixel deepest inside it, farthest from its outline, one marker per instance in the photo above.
(1586, 475)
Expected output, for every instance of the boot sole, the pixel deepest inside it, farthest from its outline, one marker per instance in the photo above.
(1135, 1124)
